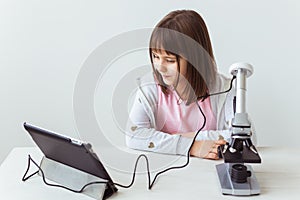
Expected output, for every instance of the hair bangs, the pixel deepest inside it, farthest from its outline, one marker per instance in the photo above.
(163, 39)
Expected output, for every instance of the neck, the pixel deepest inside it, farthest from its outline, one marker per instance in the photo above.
(180, 89)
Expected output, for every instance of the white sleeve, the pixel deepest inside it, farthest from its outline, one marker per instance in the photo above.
(141, 133)
(214, 135)
(224, 134)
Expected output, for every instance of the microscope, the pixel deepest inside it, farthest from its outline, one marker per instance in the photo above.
(237, 178)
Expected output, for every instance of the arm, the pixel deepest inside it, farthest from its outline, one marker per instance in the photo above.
(141, 133)
(209, 135)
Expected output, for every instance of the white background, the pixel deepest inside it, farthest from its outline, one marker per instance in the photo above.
(43, 45)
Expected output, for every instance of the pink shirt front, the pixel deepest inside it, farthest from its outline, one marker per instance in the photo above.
(176, 117)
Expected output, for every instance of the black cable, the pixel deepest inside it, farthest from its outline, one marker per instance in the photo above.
(150, 184)
(134, 172)
(217, 93)
(24, 178)
(188, 153)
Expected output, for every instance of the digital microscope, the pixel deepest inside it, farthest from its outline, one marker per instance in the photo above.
(235, 177)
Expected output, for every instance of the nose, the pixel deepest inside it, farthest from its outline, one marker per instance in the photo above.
(160, 66)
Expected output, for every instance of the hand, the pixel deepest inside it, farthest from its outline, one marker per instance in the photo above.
(206, 149)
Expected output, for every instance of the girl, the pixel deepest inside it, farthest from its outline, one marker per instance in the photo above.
(173, 102)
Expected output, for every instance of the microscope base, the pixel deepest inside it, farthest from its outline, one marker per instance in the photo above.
(251, 187)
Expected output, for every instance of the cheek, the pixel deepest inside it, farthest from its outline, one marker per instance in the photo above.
(183, 72)
(173, 68)
(183, 68)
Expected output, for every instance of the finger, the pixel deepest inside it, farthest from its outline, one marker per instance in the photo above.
(212, 156)
(205, 147)
(214, 149)
(220, 142)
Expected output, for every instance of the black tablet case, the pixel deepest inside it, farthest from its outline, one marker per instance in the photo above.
(71, 152)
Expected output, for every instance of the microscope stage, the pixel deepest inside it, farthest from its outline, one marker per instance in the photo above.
(246, 156)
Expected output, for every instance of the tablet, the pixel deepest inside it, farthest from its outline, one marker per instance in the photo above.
(71, 152)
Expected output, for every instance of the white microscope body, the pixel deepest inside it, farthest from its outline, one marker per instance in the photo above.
(235, 177)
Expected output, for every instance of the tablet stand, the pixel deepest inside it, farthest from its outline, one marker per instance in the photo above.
(73, 178)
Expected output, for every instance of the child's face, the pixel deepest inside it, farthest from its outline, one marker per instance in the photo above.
(166, 65)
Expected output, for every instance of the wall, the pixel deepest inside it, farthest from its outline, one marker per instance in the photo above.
(43, 46)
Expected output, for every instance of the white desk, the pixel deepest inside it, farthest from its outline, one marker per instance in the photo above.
(278, 176)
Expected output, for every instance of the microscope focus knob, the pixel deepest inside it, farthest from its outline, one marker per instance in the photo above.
(245, 66)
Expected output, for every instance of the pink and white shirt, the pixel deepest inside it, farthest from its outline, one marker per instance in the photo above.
(174, 116)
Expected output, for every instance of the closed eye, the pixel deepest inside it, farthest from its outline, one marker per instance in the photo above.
(171, 60)
(167, 59)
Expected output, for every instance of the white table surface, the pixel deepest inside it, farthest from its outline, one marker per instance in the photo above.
(278, 176)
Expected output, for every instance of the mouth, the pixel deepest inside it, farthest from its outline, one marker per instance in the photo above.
(166, 76)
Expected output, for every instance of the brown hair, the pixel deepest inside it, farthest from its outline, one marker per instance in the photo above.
(183, 33)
